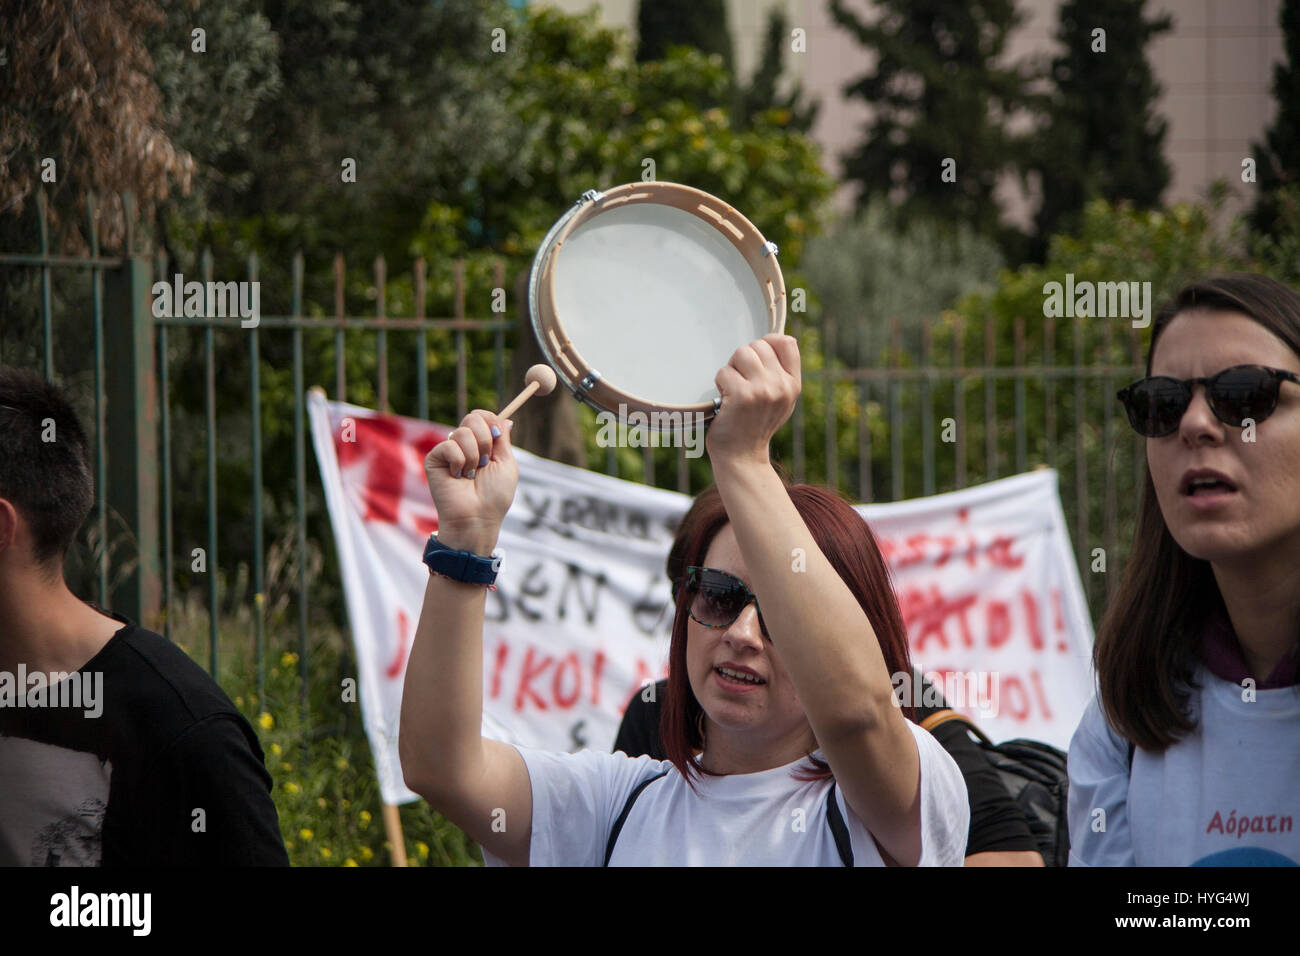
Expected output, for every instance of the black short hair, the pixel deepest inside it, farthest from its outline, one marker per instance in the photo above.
(44, 461)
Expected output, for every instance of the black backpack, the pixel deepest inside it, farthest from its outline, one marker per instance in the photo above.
(1035, 775)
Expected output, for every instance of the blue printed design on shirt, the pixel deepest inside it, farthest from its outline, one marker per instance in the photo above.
(1246, 856)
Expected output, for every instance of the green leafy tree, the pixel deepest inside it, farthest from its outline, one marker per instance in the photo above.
(216, 68)
(596, 119)
(408, 92)
(1277, 159)
(1104, 139)
(937, 142)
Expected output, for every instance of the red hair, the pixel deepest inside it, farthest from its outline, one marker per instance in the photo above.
(850, 547)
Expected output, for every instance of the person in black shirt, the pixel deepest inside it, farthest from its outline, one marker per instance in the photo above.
(115, 748)
(999, 834)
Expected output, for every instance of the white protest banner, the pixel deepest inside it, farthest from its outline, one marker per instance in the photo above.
(995, 611)
(581, 619)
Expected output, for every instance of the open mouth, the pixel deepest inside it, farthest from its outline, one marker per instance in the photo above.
(738, 677)
(1206, 486)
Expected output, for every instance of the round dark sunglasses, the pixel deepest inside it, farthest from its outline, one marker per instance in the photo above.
(717, 598)
(1156, 405)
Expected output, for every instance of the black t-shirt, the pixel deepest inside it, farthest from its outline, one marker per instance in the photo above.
(167, 773)
(996, 823)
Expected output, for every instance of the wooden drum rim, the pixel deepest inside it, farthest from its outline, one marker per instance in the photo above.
(561, 352)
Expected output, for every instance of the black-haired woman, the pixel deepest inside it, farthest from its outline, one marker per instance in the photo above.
(1190, 753)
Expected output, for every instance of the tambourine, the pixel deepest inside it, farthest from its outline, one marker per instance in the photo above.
(641, 293)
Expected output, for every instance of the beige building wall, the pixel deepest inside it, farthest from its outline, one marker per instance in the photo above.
(1214, 67)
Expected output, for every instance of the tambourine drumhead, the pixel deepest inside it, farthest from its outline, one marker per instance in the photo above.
(640, 295)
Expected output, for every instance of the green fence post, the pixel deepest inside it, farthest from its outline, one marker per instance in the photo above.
(131, 424)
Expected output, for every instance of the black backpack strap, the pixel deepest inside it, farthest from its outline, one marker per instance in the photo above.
(839, 830)
(622, 817)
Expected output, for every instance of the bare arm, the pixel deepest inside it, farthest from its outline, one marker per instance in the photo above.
(821, 632)
(480, 785)
(1006, 858)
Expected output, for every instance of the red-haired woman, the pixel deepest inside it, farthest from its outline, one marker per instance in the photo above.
(807, 759)
(1190, 754)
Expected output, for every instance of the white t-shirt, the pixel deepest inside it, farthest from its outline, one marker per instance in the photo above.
(1227, 794)
(755, 819)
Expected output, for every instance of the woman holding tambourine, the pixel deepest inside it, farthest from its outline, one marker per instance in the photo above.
(806, 757)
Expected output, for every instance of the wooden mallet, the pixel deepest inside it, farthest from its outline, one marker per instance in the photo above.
(540, 380)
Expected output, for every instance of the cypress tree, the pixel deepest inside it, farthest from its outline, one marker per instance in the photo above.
(937, 142)
(696, 23)
(761, 94)
(1277, 159)
(1104, 138)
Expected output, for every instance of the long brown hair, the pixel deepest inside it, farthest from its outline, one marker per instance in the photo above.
(1148, 644)
(848, 544)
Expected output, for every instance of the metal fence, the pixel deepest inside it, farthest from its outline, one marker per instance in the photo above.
(878, 424)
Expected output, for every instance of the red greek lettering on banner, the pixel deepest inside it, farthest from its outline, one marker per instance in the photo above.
(398, 664)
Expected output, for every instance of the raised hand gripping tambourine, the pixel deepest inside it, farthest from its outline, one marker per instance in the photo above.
(640, 294)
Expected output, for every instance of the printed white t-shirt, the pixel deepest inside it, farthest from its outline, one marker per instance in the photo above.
(1227, 794)
(756, 819)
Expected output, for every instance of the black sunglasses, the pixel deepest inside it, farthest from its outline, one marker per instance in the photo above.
(1156, 405)
(718, 598)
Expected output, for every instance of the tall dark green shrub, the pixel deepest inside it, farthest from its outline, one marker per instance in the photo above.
(940, 95)
(701, 24)
(763, 91)
(1277, 159)
(1104, 139)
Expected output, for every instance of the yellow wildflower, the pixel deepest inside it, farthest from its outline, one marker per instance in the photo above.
(290, 787)
(367, 854)
(305, 833)
(350, 862)
(326, 852)
(265, 720)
